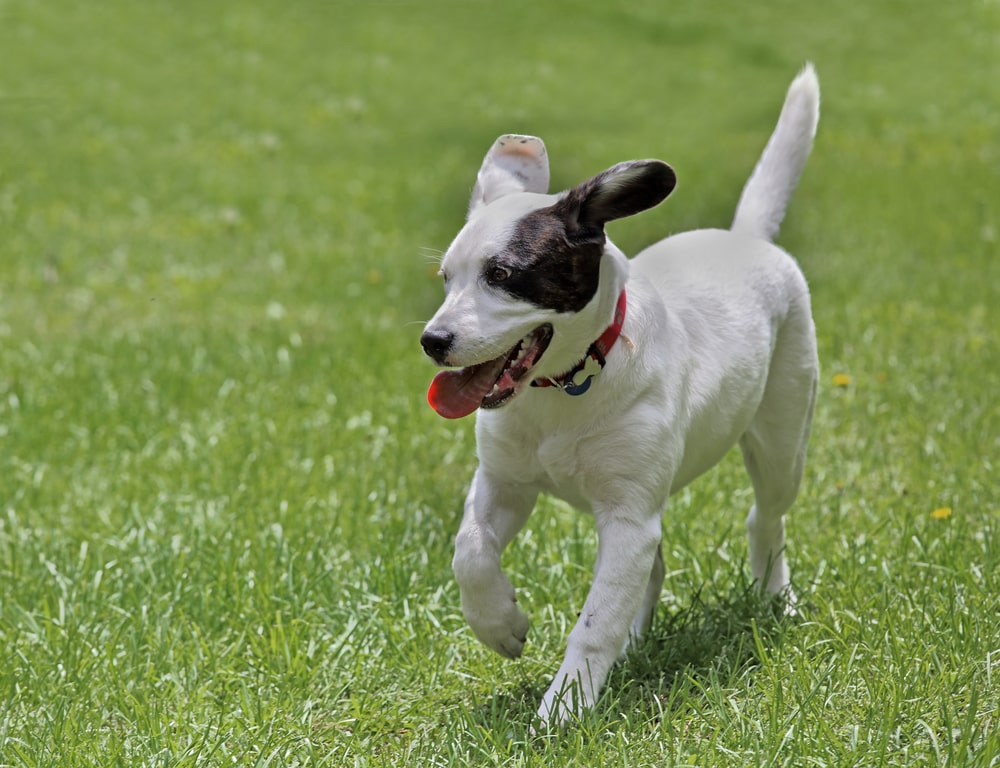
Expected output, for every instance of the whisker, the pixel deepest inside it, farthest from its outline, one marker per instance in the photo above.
(432, 255)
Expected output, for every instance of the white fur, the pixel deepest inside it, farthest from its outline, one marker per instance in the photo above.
(717, 349)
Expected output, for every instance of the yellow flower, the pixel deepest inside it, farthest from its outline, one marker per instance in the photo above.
(941, 513)
(842, 380)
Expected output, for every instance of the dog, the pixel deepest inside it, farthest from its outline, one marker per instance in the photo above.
(613, 383)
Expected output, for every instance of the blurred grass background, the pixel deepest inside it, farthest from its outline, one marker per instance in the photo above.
(227, 513)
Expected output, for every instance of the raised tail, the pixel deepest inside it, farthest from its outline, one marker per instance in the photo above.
(766, 194)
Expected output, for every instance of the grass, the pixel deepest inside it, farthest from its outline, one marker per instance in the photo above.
(226, 512)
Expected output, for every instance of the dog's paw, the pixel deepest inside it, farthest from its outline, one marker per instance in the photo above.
(497, 621)
(784, 599)
(563, 702)
(790, 601)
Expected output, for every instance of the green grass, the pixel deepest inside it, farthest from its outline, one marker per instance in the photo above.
(226, 512)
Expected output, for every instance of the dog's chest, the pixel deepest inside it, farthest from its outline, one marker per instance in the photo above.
(563, 461)
(555, 462)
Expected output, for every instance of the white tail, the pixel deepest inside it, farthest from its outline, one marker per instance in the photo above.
(766, 194)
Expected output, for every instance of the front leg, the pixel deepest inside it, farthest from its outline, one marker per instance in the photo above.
(494, 513)
(626, 556)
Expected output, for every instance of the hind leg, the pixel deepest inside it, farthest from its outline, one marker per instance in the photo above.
(774, 451)
(650, 599)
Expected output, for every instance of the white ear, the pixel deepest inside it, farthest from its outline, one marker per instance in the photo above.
(513, 164)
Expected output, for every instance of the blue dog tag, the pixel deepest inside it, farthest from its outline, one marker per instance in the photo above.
(572, 388)
(590, 368)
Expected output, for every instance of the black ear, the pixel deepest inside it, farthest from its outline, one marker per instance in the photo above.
(623, 190)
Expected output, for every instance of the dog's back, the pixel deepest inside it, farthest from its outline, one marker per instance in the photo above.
(731, 293)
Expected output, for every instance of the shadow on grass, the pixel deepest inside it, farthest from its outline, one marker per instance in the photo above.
(717, 639)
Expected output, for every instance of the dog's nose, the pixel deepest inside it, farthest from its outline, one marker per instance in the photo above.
(436, 344)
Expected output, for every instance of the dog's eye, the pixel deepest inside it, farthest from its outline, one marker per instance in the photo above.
(496, 275)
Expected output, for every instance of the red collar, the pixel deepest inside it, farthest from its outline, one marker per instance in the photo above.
(597, 352)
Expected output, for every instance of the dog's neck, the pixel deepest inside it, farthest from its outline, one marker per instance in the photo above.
(577, 334)
(577, 380)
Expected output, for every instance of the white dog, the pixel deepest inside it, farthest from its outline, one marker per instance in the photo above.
(614, 383)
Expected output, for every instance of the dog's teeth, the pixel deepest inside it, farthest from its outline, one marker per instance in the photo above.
(523, 346)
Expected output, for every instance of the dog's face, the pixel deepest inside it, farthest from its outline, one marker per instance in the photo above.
(521, 274)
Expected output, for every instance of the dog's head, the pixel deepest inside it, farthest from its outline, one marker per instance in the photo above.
(531, 279)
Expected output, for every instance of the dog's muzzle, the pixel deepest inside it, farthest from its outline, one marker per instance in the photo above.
(457, 392)
(437, 344)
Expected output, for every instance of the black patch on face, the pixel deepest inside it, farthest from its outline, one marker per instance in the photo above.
(553, 259)
(552, 263)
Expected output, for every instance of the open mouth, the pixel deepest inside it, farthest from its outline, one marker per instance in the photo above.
(458, 392)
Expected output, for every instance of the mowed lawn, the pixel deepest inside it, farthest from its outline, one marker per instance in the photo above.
(226, 512)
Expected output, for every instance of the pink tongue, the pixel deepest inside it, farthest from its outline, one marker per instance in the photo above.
(457, 393)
